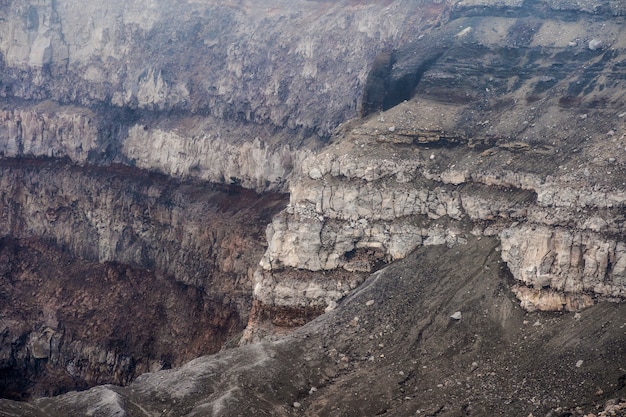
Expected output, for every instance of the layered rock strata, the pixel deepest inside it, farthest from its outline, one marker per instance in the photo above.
(529, 148)
(391, 348)
(115, 81)
(180, 146)
(112, 272)
(114, 86)
(488, 118)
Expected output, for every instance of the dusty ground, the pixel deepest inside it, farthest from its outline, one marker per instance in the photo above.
(406, 355)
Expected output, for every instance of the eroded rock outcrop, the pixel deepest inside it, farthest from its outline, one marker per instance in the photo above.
(116, 82)
(111, 273)
(115, 85)
(483, 118)
(479, 144)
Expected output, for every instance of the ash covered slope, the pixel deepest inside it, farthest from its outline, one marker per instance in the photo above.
(392, 348)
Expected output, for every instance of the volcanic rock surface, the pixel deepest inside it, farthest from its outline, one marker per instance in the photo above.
(497, 123)
(109, 273)
(455, 218)
(391, 348)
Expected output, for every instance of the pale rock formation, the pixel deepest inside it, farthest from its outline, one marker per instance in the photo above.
(48, 130)
(252, 164)
(566, 261)
(532, 299)
(200, 151)
(347, 200)
(434, 169)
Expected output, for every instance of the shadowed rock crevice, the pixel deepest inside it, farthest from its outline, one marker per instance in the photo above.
(111, 272)
(394, 75)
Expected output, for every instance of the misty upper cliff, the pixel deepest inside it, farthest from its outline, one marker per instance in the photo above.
(188, 81)
(490, 133)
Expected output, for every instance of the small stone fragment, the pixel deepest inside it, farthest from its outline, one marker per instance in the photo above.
(370, 303)
(457, 316)
(315, 174)
(579, 363)
(595, 44)
(297, 405)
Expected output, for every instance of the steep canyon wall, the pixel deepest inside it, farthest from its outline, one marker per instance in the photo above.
(114, 119)
(392, 125)
(112, 272)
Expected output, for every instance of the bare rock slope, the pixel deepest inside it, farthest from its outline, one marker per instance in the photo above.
(392, 348)
(475, 148)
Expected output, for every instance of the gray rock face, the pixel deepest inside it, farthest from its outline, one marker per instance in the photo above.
(210, 57)
(232, 111)
(471, 144)
(481, 119)
(145, 221)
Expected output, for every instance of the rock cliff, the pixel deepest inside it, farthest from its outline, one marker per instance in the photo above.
(97, 101)
(496, 123)
(391, 348)
(146, 148)
(111, 272)
(167, 108)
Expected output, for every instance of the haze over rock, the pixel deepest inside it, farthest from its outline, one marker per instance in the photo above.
(454, 170)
